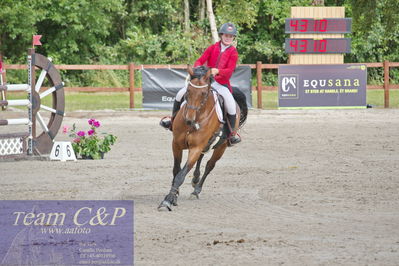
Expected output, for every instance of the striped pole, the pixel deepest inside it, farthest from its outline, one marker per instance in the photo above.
(31, 52)
(14, 87)
(15, 103)
(17, 121)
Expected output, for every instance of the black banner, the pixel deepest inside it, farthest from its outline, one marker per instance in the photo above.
(161, 85)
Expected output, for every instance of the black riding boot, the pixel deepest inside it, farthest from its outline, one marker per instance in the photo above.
(167, 124)
(232, 137)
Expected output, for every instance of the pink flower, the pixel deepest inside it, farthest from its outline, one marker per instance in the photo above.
(91, 132)
(81, 133)
(96, 123)
(91, 121)
(77, 140)
(65, 129)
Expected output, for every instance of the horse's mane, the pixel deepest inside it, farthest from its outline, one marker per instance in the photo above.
(199, 72)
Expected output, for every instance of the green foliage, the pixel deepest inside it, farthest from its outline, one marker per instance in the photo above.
(75, 29)
(375, 28)
(264, 41)
(152, 32)
(240, 12)
(172, 46)
(16, 33)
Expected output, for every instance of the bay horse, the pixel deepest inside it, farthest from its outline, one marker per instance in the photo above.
(194, 126)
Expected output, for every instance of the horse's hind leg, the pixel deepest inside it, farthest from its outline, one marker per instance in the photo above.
(197, 171)
(217, 154)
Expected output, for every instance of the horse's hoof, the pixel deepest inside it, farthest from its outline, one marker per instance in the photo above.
(194, 196)
(165, 206)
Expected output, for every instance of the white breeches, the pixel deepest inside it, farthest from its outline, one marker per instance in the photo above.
(229, 101)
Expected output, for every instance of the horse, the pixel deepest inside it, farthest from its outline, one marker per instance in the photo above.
(194, 126)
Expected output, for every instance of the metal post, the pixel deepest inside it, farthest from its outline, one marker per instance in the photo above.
(386, 84)
(131, 84)
(259, 82)
(2, 82)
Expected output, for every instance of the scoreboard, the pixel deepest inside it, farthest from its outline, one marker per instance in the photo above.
(318, 26)
(315, 46)
(310, 25)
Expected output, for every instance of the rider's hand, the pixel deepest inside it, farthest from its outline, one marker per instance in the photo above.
(214, 71)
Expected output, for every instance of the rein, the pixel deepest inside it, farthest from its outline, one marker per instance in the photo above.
(210, 113)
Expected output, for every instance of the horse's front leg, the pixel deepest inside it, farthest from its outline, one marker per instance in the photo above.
(171, 198)
(217, 154)
(177, 155)
(197, 171)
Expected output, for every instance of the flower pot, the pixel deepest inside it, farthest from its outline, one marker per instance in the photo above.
(84, 157)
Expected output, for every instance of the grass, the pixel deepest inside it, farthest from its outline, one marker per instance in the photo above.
(374, 97)
(100, 100)
(120, 100)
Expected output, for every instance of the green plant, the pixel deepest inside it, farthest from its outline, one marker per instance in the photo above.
(90, 145)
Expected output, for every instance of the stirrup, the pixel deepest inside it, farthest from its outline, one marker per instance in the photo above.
(234, 139)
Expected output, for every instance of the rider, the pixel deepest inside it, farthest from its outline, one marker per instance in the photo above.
(222, 58)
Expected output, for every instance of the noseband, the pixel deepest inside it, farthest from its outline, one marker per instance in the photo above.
(197, 108)
(196, 125)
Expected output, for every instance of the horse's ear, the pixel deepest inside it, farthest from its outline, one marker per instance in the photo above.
(207, 75)
(190, 70)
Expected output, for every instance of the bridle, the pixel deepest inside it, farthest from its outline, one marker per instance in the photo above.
(196, 125)
(197, 108)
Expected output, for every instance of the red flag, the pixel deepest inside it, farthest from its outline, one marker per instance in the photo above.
(36, 40)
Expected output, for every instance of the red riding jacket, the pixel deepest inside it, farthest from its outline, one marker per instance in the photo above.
(225, 62)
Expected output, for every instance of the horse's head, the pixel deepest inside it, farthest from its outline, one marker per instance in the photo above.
(198, 90)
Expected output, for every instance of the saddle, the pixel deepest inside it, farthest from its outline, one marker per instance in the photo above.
(220, 136)
(224, 113)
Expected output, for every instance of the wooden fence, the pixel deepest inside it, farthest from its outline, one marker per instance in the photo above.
(259, 67)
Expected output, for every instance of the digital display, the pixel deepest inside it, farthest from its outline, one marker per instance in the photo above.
(323, 46)
(309, 25)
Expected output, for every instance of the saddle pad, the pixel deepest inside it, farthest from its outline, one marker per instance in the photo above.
(218, 108)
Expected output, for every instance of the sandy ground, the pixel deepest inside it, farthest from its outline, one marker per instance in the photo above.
(303, 188)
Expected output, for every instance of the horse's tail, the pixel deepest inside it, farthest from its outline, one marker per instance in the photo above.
(241, 100)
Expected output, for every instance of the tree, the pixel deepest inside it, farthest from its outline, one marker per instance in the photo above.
(317, 2)
(186, 15)
(201, 10)
(212, 21)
